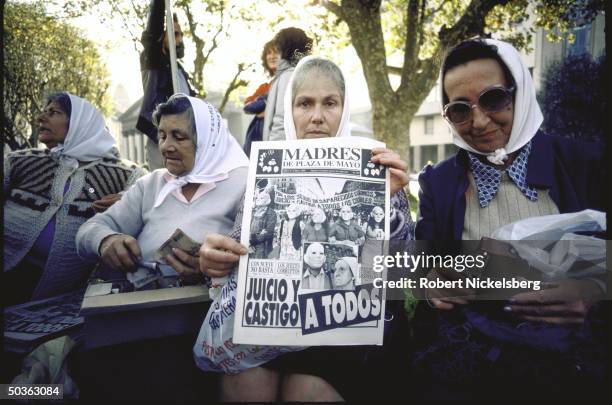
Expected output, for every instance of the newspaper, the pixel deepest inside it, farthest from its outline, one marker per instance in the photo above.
(307, 215)
(34, 322)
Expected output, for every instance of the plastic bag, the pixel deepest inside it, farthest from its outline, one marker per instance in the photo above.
(47, 365)
(549, 243)
(214, 349)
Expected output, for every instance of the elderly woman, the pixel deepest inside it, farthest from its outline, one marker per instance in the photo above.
(317, 106)
(505, 171)
(199, 191)
(345, 273)
(49, 193)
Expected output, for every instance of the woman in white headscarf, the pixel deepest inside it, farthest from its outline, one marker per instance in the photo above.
(505, 171)
(49, 193)
(317, 104)
(199, 191)
(345, 274)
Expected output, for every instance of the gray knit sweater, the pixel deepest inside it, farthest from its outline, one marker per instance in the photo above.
(33, 191)
(135, 215)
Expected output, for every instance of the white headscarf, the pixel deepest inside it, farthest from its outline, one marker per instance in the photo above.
(290, 134)
(353, 265)
(217, 151)
(527, 114)
(87, 139)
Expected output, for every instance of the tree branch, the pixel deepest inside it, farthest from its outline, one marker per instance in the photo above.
(471, 23)
(234, 84)
(394, 70)
(333, 8)
(431, 13)
(410, 50)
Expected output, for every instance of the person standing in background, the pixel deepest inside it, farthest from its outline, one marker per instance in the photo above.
(293, 44)
(256, 103)
(157, 75)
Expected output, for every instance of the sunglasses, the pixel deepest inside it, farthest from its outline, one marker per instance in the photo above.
(491, 100)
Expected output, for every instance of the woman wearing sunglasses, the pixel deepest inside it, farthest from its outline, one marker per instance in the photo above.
(506, 170)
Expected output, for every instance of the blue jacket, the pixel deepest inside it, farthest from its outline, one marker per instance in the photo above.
(571, 169)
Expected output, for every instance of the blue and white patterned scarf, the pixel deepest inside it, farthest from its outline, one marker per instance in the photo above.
(487, 177)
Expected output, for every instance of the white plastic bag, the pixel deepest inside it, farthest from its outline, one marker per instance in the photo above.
(214, 349)
(549, 244)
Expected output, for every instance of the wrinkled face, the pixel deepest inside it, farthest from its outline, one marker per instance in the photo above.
(317, 107)
(346, 213)
(175, 143)
(178, 40)
(52, 125)
(315, 255)
(293, 211)
(272, 58)
(485, 132)
(318, 216)
(378, 214)
(342, 273)
(262, 199)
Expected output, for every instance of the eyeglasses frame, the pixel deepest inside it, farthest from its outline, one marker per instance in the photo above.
(509, 90)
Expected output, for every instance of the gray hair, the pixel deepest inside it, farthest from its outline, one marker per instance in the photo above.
(324, 66)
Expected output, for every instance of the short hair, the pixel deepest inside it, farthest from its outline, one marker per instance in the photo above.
(293, 44)
(63, 99)
(469, 50)
(177, 104)
(323, 66)
(270, 45)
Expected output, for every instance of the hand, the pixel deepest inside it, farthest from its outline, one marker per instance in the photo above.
(219, 255)
(397, 167)
(186, 265)
(105, 202)
(568, 302)
(120, 252)
(446, 299)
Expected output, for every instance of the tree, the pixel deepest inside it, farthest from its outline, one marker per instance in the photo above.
(418, 32)
(572, 98)
(42, 55)
(206, 23)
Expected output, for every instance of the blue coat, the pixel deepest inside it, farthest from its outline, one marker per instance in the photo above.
(569, 168)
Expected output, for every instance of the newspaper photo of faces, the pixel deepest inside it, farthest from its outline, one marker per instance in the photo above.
(321, 222)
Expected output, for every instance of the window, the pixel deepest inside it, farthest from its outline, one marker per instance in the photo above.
(429, 125)
(429, 154)
(581, 39)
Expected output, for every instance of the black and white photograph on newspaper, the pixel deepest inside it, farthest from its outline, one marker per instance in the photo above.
(309, 209)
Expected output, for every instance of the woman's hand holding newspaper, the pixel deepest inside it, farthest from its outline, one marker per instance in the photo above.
(219, 254)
